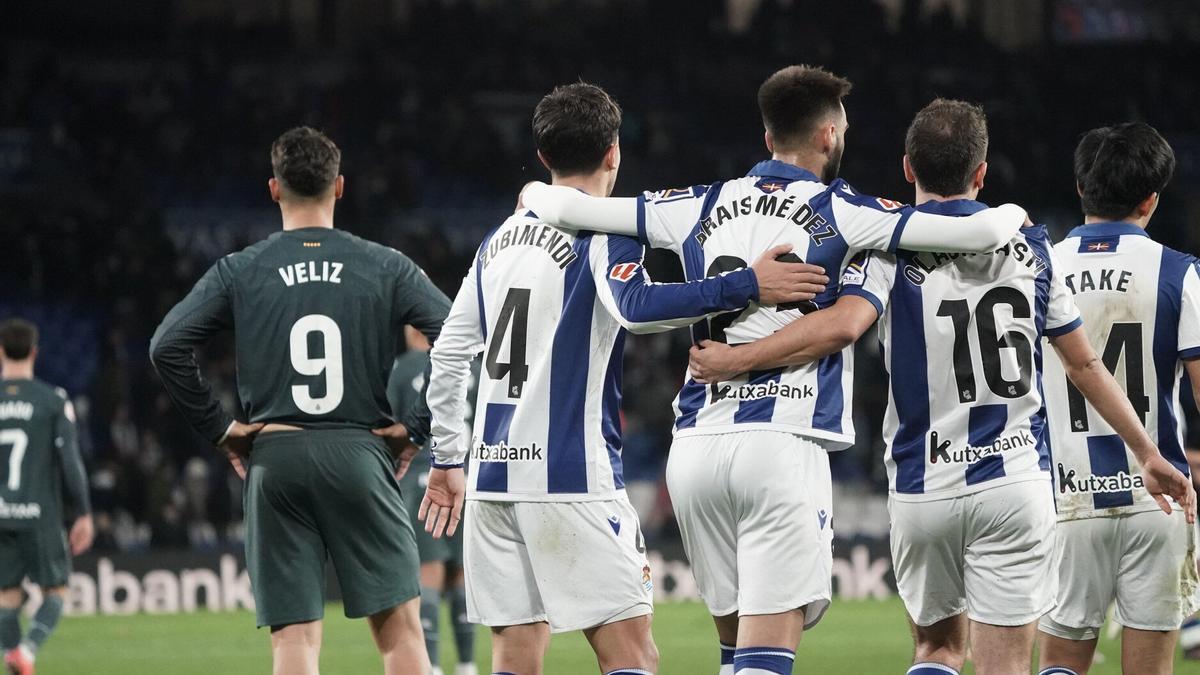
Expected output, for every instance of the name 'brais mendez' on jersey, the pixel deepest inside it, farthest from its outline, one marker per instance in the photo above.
(716, 228)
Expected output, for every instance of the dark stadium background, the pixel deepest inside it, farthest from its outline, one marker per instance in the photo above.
(134, 137)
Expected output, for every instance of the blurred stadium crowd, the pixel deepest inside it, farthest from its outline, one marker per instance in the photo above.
(133, 152)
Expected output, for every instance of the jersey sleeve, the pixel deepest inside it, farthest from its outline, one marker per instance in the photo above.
(868, 222)
(205, 311)
(870, 275)
(643, 306)
(423, 306)
(666, 218)
(66, 442)
(461, 341)
(1189, 314)
(1062, 316)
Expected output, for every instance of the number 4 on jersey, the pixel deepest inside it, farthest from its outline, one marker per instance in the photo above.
(513, 321)
(1124, 338)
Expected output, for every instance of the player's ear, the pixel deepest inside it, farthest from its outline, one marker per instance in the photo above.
(273, 188)
(977, 179)
(542, 159)
(339, 186)
(1079, 189)
(908, 171)
(1147, 206)
(612, 157)
(770, 141)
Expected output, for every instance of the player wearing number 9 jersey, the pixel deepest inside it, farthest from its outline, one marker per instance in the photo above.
(1141, 305)
(968, 460)
(318, 317)
(759, 541)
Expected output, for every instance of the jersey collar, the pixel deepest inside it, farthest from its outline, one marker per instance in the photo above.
(953, 207)
(773, 168)
(1109, 229)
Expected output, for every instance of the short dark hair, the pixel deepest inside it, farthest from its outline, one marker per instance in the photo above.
(945, 143)
(574, 125)
(305, 161)
(795, 99)
(1118, 167)
(18, 337)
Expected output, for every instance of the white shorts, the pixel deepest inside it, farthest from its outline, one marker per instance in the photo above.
(756, 512)
(988, 553)
(575, 565)
(1146, 562)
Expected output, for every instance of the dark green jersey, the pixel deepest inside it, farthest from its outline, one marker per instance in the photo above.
(317, 315)
(40, 454)
(407, 384)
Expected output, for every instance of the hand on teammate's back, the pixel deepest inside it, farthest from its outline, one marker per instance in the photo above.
(1162, 478)
(237, 444)
(81, 535)
(441, 508)
(710, 362)
(403, 451)
(781, 281)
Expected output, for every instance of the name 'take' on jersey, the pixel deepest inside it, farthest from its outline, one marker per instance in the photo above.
(1141, 307)
(962, 340)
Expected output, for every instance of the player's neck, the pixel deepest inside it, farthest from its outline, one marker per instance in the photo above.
(924, 196)
(298, 216)
(812, 163)
(594, 184)
(16, 370)
(1140, 222)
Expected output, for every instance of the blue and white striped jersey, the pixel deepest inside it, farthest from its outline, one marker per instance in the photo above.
(1141, 304)
(719, 227)
(962, 342)
(549, 308)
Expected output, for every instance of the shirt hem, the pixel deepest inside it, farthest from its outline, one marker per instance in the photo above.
(834, 441)
(969, 489)
(1088, 514)
(476, 495)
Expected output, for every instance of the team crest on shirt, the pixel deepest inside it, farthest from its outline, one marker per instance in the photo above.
(623, 272)
(647, 580)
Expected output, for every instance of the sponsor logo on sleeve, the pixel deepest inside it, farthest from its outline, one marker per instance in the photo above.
(889, 204)
(670, 195)
(623, 272)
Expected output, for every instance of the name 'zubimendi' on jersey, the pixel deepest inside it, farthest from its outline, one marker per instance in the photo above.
(977, 421)
(1141, 304)
(549, 308)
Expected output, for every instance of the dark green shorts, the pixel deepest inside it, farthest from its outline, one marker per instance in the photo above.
(446, 549)
(326, 493)
(39, 552)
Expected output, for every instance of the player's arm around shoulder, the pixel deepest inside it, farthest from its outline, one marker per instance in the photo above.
(643, 306)
(865, 285)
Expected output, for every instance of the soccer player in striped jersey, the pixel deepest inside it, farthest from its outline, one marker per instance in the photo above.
(1141, 304)
(759, 541)
(551, 541)
(967, 458)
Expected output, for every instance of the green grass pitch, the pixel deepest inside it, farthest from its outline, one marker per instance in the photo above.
(855, 638)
